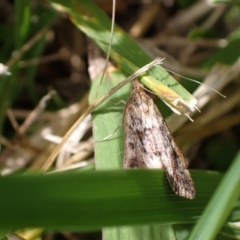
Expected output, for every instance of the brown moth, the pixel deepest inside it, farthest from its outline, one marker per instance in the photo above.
(149, 143)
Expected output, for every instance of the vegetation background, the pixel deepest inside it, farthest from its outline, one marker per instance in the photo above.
(52, 51)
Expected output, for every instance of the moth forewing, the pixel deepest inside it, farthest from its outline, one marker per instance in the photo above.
(149, 143)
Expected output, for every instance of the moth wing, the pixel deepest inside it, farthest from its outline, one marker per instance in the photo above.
(149, 143)
(173, 160)
(140, 148)
(132, 158)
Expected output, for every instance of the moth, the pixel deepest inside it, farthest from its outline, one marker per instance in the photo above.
(150, 144)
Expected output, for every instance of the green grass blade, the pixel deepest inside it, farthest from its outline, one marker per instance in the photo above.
(22, 25)
(146, 232)
(92, 200)
(220, 205)
(130, 57)
(106, 119)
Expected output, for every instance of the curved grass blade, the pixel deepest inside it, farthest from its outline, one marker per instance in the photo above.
(220, 205)
(96, 25)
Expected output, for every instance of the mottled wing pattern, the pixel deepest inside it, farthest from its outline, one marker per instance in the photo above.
(173, 161)
(140, 147)
(149, 143)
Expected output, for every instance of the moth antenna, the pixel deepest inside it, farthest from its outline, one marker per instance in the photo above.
(193, 80)
(110, 135)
